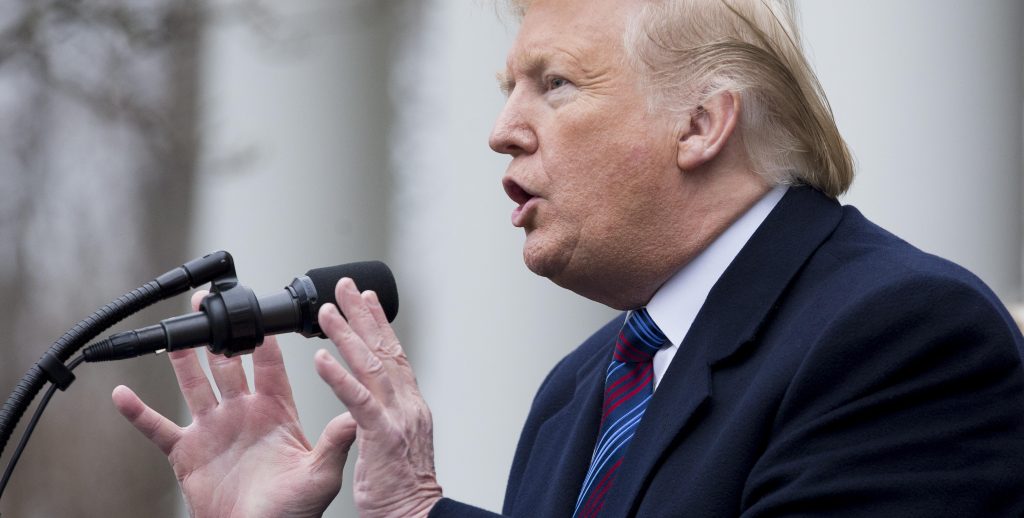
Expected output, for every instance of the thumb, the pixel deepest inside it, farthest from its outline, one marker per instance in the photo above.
(157, 428)
(331, 450)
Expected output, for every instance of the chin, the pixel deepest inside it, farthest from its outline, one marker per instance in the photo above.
(542, 264)
(546, 257)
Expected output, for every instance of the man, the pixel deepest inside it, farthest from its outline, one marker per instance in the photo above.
(780, 354)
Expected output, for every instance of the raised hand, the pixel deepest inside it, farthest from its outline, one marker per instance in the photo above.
(245, 456)
(395, 470)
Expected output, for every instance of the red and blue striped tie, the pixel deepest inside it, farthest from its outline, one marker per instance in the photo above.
(628, 388)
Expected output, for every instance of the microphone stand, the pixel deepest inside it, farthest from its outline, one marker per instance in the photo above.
(217, 267)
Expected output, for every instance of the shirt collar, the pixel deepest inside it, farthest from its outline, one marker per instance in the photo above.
(675, 305)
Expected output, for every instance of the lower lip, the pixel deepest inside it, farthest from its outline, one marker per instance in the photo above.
(520, 213)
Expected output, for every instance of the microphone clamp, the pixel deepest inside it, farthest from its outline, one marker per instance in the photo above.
(234, 314)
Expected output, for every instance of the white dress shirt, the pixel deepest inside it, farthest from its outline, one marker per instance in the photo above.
(675, 305)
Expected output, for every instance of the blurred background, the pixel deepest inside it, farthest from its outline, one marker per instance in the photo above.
(138, 134)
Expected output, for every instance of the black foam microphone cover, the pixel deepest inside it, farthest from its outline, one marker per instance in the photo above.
(368, 275)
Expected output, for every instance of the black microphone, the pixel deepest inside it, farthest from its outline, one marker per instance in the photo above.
(231, 320)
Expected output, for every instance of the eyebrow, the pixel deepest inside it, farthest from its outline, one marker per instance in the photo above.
(533, 62)
(505, 82)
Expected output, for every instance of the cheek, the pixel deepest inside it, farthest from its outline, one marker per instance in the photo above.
(593, 162)
(624, 175)
(602, 167)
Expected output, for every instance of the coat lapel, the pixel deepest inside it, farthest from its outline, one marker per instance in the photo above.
(729, 319)
(564, 444)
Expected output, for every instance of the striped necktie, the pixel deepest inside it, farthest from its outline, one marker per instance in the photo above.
(628, 388)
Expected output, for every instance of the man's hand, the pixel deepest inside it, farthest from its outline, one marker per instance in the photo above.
(395, 470)
(245, 456)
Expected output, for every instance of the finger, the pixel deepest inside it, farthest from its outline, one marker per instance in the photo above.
(157, 428)
(390, 347)
(192, 381)
(195, 387)
(269, 375)
(365, 365)
(229, 375)
(198, 297)
(357, 313)
(331, 450)
(227, 372)
(365, 409)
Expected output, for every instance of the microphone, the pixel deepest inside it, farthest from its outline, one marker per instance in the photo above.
(231, 320)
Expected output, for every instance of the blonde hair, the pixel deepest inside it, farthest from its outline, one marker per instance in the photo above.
(690, 50)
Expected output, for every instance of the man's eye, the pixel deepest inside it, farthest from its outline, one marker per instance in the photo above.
(554, 83)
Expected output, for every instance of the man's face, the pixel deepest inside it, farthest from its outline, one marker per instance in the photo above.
(591, 167)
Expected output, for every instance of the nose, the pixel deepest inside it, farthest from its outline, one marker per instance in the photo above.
(512, 133)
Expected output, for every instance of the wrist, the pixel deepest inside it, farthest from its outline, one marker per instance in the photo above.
(424, 508)
(421, 504)
(416, 505)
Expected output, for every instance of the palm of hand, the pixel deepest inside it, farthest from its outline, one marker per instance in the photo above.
(246, 455)
(249, 457)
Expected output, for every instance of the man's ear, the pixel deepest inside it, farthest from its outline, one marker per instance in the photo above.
(710, 126)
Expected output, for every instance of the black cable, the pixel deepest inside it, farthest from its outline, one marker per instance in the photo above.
(73, 340)
(31, 426)
(189, 275)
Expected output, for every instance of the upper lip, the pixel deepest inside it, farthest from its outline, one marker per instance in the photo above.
(518, 193)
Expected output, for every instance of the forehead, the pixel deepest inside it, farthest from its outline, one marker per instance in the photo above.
(582, 30)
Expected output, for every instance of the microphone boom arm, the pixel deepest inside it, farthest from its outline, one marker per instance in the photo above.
(50, 366)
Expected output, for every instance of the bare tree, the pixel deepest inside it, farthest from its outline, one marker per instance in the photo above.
(98, 146)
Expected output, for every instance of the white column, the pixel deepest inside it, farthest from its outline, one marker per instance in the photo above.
(294, 172)
(928, 94)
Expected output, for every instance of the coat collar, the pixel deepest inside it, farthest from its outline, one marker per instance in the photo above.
(735, 309)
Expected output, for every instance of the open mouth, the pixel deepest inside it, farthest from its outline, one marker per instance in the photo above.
(523, 198)
(516, 192)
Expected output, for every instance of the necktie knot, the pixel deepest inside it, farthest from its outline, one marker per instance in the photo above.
(639, 339)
